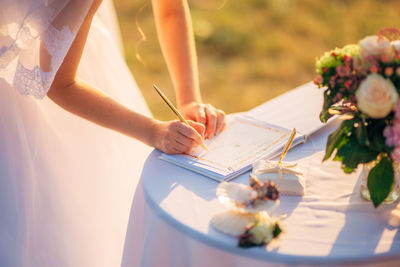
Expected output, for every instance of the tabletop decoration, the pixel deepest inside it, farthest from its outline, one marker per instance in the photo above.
(288, 176)
(362, 83)
(247, 214)
(248, 199)
(261, 231)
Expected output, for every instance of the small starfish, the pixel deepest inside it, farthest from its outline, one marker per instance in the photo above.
(284, 168)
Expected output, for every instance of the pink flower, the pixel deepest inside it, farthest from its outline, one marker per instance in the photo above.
(318, 80)
(385, 58)
(337, 97)
(353, 99)
(392, 134)
(343, 71)
(373, 69)
(396, 45)
(347, 84)
(358, 67)
(371, 59)
(397, 112)
(391, 137)
(388, 71)
(396, 131)
(332, 81)
(396, 154)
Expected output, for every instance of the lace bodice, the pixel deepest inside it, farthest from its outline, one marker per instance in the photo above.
(28, 36)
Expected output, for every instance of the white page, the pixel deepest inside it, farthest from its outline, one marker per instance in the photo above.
(244, 141)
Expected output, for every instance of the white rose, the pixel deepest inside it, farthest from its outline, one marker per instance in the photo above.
(375, 46)
(376, 96)
(396, 45)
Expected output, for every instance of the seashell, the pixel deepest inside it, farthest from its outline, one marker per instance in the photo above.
(231, 222)
(238, 197)
(236, 192)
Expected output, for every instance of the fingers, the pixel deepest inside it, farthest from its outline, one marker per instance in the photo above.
(211, 122)
(220, 121)
(206, 114)
(199, 127)
(194, 111)
(201, 115)
(178, 148)
(180, 138)
(189, 135)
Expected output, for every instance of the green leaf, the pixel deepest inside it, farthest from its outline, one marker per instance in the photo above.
(324, 115)
(352, 153)
(361, 133)
(337, 138)
(378, 142)
(277, 230)
(376, 137)
(380, 181)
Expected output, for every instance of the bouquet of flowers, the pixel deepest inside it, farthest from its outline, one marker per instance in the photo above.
(362, 83)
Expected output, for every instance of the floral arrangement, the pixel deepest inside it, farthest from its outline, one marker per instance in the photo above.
(362, 82)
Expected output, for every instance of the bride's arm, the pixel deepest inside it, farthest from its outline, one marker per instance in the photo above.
(89, 103)
(175, 33)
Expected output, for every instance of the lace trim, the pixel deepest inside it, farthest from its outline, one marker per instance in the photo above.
(57, 43)
(35, 81)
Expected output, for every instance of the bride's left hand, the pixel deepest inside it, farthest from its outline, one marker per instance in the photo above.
(212, 118)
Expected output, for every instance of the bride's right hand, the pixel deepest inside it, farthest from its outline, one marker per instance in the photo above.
(175, 137)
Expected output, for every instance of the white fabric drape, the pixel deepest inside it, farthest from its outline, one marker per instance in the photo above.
(66, 185)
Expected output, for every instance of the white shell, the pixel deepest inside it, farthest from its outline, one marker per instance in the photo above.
(231, 222)
(237, 197)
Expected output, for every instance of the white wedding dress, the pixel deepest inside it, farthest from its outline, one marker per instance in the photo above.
(66, 184)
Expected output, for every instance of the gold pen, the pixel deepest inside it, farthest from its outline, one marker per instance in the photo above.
(175, 110)
(287, 146)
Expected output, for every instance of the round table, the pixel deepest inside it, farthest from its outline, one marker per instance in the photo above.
(330, 224)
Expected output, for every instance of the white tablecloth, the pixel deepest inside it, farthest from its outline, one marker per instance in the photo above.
(331, 224)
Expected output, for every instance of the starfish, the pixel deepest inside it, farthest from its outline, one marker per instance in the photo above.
(283, 168)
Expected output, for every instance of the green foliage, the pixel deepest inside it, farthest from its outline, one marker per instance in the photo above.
(361, 134)
(355, 145)
(351, 153)
(360, 140)
(331, 62)
(380, 180)
(338, 138)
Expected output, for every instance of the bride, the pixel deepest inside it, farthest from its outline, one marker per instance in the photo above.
(66, 184)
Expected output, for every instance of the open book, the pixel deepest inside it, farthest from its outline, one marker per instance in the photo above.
(257, 134)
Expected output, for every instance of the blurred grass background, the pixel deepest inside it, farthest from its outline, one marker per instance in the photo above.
(250, 50)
